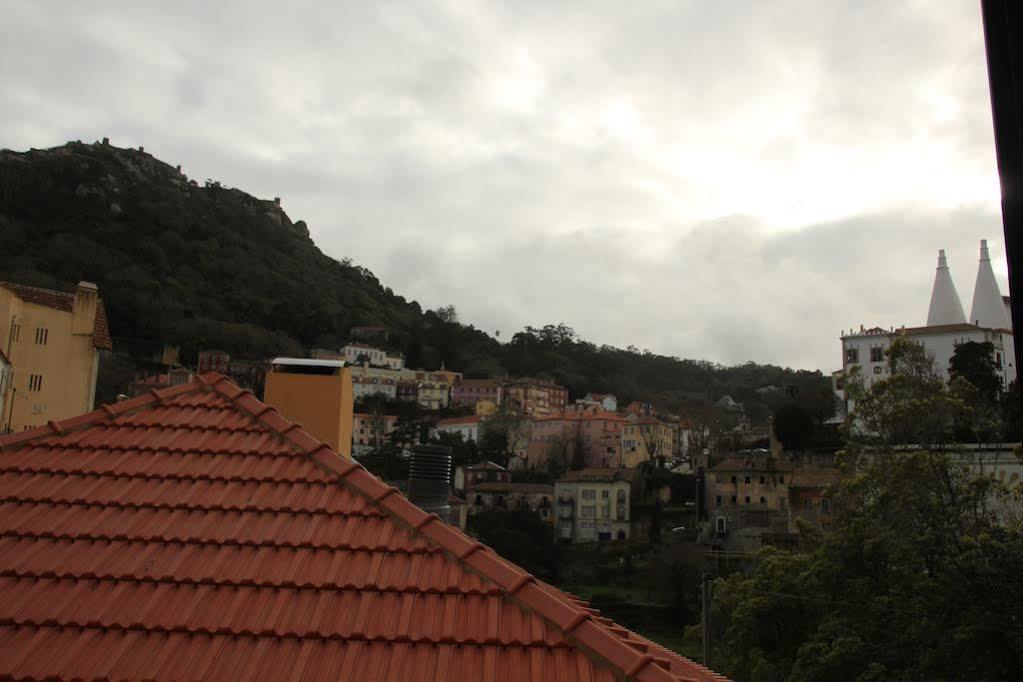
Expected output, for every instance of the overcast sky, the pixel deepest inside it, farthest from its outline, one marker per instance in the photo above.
(727, 181)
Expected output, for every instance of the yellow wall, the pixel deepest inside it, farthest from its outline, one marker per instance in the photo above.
(659, 436)
(320, 404)
(68, 364)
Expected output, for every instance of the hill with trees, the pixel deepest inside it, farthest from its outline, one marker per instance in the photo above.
(201, 265)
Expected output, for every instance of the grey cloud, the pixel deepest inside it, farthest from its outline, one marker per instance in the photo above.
(701, 179)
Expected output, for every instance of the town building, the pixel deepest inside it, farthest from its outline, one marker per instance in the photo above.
(364, 354)
(468, 427)
(370, 431)
(534, 397)
(754, 499)
(535, 497)
(52, 341)
(604, 401)
(646, 439)
(5, 379)
(317, 394)
(440, 376)
(172, 377)
(367, 387)
(946, 328)
(193, 533)
(595, 432)
(470, 392)
(593, 505)
(485, 472)
(213, 360)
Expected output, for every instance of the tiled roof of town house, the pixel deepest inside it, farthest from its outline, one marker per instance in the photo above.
(62, 300)
(499, 487)
(194, 533)
(456, 421)
(597, 474)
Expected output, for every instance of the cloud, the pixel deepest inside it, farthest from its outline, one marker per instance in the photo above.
(701, 179)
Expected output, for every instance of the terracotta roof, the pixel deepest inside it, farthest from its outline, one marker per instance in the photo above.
(499, 487)
(62, 300)
(193, 533)
(458, 421)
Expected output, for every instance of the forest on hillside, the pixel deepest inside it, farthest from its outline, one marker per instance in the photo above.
(199, 265)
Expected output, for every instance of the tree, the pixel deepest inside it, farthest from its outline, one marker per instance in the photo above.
(975, 362)
(915, 574)
(793, 426)
(502, 435)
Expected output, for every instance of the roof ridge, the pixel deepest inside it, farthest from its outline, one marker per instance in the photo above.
(576, 623)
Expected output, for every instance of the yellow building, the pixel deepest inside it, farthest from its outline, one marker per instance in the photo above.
(645, 439)
(593, 505)
(316, 394)
(52, 340)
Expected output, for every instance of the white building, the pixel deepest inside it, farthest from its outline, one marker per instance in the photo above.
(469, 427)
(362, 354)
(365, 386)
(946, 328)
(593, 505)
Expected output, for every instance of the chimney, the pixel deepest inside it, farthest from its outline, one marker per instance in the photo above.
(106, 141)
(178, 168)
(429, 479)
(945, 307)
(83, 309)
(277, 201)
(988, 308)
(142, 149)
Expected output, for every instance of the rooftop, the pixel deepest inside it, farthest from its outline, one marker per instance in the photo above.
(597, 475)
(62, 300)
(459, 421)
(501, 487)
(194, 533)
(307, 362)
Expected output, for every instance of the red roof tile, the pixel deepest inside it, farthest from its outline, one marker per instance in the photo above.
(62, 300)
(193, 533)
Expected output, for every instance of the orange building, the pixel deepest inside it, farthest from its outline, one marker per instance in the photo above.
(598, 433)
(317, 394)
(52, 340)
(534, 397)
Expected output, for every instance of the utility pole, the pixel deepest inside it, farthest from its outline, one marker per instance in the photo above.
(705, 618)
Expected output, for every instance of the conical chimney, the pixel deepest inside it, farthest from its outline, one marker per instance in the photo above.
(988, 307)
(945, 306)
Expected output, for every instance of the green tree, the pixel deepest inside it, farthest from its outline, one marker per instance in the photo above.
(916, 573)
(794, 426)
(975, 362)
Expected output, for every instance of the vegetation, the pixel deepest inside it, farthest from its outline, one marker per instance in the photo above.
(916, 575)
(200, 265)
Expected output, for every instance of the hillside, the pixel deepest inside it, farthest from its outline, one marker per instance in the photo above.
(201, 265)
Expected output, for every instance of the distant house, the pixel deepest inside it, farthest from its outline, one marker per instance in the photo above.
(597, 432)
(52, 341)
(593, 505)
(535, 397)
(370, 431)
(485, 472)
(469, 427)
(534, 497)
(605, 401)
(727, 404)
(366, 387)
(364, 354)
(469, 392)
(172, 377)
(645, 439)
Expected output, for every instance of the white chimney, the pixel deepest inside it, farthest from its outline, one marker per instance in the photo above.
(945, 307)
(988, 307)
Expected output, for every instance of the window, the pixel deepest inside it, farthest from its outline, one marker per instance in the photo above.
(877, 369)
(15, 331)
(718, 500)
(747, 499)
(588, 511)
(998, 359)
(719, 523)
(589, 494)
(747, 479)
(734, 479)
(852, 356)
(807, 504)
(604, 494)
(824, 503)
(877, 354)
(35, 382)
(763, 500)
(621, 496)
(781, 479)
(605, 510)
(762, 480)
